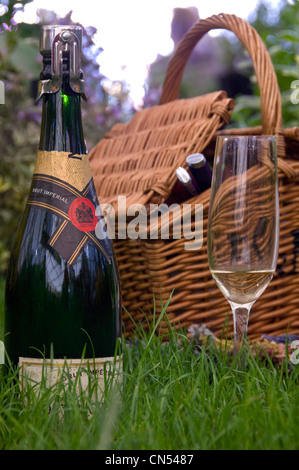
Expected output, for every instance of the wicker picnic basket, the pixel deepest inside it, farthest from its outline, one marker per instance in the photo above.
(138, 160)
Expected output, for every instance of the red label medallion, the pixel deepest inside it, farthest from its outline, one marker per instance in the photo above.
(82, 214)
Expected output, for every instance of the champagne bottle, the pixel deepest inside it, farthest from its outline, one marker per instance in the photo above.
(62, 299)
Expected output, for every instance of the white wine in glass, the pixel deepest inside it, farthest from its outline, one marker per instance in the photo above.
(243, 226)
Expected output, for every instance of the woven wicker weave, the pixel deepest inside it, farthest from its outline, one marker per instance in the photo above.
(138, 160)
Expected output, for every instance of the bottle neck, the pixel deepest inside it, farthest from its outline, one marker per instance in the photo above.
(61, 128)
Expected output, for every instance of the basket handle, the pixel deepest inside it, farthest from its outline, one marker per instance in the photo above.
(264, 70)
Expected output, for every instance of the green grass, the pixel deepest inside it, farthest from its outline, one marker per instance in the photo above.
(174, 396)
(2, 285)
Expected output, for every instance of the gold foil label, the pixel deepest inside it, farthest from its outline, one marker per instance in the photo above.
(72, 168)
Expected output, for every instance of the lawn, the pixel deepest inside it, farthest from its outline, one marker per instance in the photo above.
(2, 285)
(175, 395)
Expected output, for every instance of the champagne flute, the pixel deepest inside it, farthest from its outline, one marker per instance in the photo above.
(243, 225)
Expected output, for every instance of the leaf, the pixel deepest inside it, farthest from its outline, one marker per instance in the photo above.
(24, 58)
(290, 35)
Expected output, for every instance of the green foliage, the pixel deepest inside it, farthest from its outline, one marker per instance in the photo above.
(2, 286)
(19, 123)
(282, 42)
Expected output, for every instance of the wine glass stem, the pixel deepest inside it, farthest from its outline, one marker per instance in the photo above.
(241, 316)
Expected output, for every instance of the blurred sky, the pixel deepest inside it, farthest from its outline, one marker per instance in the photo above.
(133, 32)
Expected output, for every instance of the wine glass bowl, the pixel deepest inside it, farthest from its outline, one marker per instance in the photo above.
(243, 225)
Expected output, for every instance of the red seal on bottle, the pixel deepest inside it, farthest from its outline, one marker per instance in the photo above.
(83, 215)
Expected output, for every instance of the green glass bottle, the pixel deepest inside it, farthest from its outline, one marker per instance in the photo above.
(62, 296)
